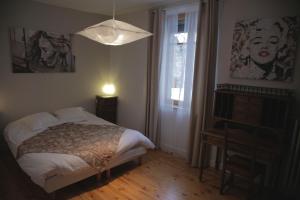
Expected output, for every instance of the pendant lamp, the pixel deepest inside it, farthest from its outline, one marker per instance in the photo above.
(114, 32)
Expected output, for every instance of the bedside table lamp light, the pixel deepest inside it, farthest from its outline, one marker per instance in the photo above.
(109, 89)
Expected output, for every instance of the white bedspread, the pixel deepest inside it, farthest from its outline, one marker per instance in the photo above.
(40, 166)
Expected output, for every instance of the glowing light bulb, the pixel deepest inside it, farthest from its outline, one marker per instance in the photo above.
(109, 89)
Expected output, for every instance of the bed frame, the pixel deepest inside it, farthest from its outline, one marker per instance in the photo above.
(55, 183)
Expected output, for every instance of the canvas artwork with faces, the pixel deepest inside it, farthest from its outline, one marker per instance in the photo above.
(264, 49)
(40, 51)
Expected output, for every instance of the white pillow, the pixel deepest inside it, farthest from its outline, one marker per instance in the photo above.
(75, 114)
(37, 121)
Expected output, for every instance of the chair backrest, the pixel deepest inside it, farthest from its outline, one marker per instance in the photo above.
(242, 142)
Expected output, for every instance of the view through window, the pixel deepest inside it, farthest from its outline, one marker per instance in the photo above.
(178, 76)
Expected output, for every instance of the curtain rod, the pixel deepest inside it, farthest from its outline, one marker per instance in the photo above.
(178, 3)
(181, 3)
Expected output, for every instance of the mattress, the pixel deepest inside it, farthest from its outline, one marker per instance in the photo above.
(52, 171)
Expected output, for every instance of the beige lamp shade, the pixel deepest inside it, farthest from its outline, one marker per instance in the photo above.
(114, 32)
(109, 89)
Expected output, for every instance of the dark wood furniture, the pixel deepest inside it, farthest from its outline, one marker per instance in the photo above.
(266, 110)
(260, 110)
(215, 137)
(106, 108)
(236, 164)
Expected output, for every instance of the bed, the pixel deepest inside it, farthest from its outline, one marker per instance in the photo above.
(52, 170)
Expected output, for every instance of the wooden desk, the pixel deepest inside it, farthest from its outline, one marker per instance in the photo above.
(268, 151)
(263, 109)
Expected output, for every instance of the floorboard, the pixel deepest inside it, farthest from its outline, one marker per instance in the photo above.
(160, 177)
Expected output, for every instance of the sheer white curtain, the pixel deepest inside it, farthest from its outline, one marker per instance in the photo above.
(176, 77)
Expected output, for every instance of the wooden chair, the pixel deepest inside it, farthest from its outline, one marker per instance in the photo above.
(214, 137)
(240, 159)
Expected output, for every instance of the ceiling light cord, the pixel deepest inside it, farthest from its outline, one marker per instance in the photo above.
(114, 9)
(113, 32)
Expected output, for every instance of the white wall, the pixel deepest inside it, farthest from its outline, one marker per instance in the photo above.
(96, 64)
(22, 94)
(128, 72)
(233, 10)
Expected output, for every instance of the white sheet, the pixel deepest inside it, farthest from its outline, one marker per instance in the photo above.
(40, 166)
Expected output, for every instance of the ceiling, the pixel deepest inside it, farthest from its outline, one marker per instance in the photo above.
(105, 6)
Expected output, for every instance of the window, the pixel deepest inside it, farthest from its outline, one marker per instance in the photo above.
(176, 76)
(178, 57)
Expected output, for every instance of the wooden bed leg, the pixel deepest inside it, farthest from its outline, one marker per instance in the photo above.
(108, 175)
(52, 195)
(139, 160)
(98, 176)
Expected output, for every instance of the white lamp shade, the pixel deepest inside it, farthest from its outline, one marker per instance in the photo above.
(114, 32)
(109, 89)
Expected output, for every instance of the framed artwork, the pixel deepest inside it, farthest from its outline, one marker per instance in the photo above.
(40, 52)
(264, 49)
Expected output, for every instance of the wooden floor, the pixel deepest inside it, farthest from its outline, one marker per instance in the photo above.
(161, 176)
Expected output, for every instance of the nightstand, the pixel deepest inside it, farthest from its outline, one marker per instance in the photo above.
(3, 146)
(106, 108)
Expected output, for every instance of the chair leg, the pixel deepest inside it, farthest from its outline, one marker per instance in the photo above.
(232, 176)
(202, 157)
(251, 189)
(262, 184)
(222, 185)
(217, 163)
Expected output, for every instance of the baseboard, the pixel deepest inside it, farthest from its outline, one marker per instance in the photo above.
(179, 152)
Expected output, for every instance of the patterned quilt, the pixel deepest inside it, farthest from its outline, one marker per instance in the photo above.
(95, 144)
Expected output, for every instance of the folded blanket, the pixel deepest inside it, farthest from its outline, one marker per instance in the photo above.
(95, 144)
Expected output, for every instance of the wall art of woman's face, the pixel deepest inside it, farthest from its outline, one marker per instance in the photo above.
(264, 48)
(264, 43)
(38, 51)
(47, 51)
